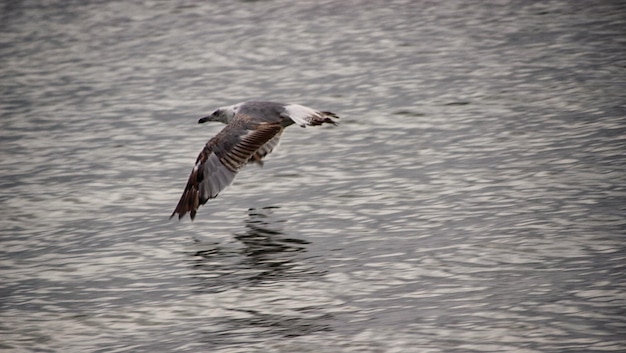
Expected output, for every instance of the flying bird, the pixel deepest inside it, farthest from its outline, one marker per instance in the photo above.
(252, 131)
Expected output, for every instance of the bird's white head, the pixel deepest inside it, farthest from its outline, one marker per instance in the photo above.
(223, 115)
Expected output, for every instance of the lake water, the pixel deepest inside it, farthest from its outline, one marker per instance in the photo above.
(473, 198)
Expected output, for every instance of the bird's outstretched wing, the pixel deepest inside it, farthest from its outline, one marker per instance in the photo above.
(241, 141)
(266, 149)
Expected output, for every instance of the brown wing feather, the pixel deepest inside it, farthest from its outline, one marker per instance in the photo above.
(189, 200)
(221, 158)
(266, 149)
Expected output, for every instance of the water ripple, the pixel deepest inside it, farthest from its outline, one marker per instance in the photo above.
(472, 198)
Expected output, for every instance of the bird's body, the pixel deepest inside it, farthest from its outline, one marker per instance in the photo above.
(252, 131)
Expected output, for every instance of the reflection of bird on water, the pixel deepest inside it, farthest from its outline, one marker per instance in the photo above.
(268, 249)
(267, 254)
(268, 258)
(253, 130)
(264, 234)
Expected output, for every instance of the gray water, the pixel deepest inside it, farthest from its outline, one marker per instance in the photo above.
(473, 198)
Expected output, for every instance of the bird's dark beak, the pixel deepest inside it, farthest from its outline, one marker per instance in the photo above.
(203, 120)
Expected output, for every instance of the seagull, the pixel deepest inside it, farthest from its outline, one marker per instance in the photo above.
(252, 131)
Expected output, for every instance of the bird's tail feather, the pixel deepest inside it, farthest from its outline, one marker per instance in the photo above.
(321, 118)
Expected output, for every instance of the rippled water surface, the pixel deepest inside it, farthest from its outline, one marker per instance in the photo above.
(473, 198)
